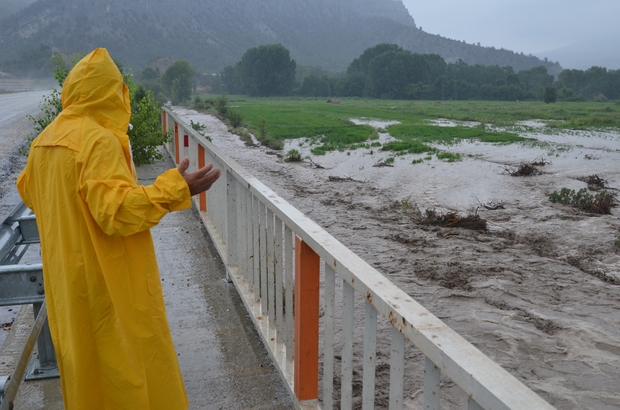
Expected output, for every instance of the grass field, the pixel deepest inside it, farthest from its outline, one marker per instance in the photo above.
(329, 126)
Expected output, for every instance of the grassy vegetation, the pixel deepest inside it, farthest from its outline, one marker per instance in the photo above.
(328, 126)
(449, 135)
(448, 156)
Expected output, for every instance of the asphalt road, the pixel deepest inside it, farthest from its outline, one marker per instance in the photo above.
(15, 106)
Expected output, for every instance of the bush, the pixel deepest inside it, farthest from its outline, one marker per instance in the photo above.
(235, 117)
(550, 95)
(221, 105)
(448, 156)
(600, 203)
(147, 135)
(293, 156)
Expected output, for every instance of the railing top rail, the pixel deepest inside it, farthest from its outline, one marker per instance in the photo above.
(481, 378)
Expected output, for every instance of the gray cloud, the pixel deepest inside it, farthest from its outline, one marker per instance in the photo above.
(530, 26)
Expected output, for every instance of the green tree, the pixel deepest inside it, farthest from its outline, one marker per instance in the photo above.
(534, 78)
(315, 86)
(551, 95)
(177, 81)
(360, 65)
(266, 71)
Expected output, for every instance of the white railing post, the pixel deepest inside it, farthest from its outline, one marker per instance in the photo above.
(271, 297)
(231, 219)
(264, 301)
(472, 405)
(432, 378)
(242, 236)
(329, 300)
(346, 386)
(289, 258)
(397, 369)
(256, 247)
(278, 278)
(370, 351)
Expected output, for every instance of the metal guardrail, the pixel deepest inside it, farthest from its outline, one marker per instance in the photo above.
(278, 258)
(21, 285)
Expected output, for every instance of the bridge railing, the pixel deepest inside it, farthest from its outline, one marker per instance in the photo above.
(287, 269)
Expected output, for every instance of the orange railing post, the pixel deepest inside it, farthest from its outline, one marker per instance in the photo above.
(307, 275)
(176, 142)
(164, 121)
(201, 163)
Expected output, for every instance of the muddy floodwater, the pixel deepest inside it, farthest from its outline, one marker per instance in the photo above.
(538, 291)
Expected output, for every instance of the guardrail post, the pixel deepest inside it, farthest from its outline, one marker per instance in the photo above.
(307, 275)
(44, 365)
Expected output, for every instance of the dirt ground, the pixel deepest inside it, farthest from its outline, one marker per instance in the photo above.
(538, 292)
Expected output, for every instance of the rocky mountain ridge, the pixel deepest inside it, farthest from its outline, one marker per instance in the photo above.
(212, 34)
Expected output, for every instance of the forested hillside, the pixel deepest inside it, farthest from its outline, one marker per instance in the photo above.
(212, 34)
(9, 7)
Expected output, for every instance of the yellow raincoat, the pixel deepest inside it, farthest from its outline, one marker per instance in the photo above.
(104, 297)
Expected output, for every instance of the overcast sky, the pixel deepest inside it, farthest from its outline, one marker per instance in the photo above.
(530, 26)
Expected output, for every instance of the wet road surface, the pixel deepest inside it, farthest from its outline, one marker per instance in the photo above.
(15, 106)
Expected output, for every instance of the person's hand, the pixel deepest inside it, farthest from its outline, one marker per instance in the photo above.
(200, 180)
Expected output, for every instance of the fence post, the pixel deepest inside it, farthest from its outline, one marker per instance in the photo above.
(307, 275)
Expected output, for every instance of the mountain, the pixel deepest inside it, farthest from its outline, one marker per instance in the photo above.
(586, 53)
(212, 34)
(9, 7)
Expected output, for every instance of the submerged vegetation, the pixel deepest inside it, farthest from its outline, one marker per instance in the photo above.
(600, 203)
(329, 127)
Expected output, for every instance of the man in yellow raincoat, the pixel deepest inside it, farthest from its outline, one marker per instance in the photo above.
(104, 297)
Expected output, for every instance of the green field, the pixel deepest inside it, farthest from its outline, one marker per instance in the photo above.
(329, 126)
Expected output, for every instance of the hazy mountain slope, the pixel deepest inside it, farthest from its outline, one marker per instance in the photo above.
(214, 33)
(9, 7)
(602, 52)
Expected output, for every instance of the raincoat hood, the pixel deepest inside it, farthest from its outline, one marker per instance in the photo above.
(95, 85)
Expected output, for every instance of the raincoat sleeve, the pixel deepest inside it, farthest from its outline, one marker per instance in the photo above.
(22, 180)
(119, 206)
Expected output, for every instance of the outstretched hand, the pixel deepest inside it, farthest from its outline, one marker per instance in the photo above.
(200, 180)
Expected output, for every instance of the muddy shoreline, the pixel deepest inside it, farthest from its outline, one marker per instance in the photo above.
(537, 292)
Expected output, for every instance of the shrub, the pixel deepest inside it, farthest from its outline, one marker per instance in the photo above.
(221, 105)
(448, 156)
(147, 135)
(293, 156)
(235, 117)
(600, 203)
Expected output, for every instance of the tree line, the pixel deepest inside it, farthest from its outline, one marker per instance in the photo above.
(387, 71)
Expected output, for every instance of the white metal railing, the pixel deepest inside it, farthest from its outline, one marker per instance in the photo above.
(278, 259)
